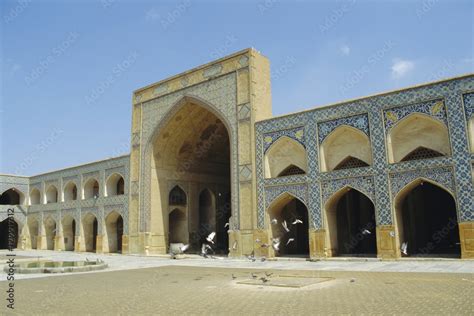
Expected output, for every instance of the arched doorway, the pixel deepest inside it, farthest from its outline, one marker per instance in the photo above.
(287, 209)
(192, 147)
(177, 226)
(8, 233)
(33, 227)
(427, 221)
(90, 227)
(350, 222)
(69, 232)
(114, 228)
(50, 230)
(11, 197)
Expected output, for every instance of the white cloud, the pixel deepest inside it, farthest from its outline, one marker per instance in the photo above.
(401, 67)
(345, 50)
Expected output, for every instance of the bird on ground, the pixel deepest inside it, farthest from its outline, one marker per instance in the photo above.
(285, 226)
(184, 248)
(253, 275)
(352, 280)
(251, 257)
(204, 249)
(264, 279)
(268, 274)
(263, 259)
(404, 248)
(366, 232)
(233, 277)
(172, 255)
(297, 221)
(210, 237)
(274, 221)
(290, 240)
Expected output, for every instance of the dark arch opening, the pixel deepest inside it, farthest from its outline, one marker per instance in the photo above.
(351, 162)
(429, 222)
(289, 212)
(8, 233)
(291, 170)
(355, 225)
(10, 197)
(177, 196)
(422, 153)
(120, 186)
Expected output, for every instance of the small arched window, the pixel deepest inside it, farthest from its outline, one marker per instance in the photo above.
(177, 196)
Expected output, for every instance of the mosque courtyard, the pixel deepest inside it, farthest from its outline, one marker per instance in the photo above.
(218, 286)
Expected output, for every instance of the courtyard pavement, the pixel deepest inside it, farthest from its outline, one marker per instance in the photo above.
(159, 285)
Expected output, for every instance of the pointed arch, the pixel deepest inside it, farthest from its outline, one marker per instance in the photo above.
(342, 143)
(9, 229)
(177, 226)
(91, 189)
(348, 213)
(283, 153)
(68, 223)
(287, 207)
(90, 227)
(12, 196)
(70, 191)
(417, 130)
(114, 232)
(51, 194)
(115, 185)
(471, 133)
(177, 196)
(35, 196)
(426, 219)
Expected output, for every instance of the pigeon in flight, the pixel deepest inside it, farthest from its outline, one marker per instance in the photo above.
(276, 244)
(211, 236)
(226, 225)
(290, 240)
(297, 221)
(184, 248)
(234, 246)
(285, 226)
(274, 221)
(204, 249)
(404, 248)
(366, 232)
(258, 241)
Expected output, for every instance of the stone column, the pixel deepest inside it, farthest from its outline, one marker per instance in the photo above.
(466, 236)
(317, 243)
(387, 243)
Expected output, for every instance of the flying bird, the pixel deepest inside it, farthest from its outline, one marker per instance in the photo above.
(264, 245)
(226, 225)
(211, 236)
(234, 246)
(285, 226)
(404, 248)
(184, 248)
(258, 241)
(366, 232)
(290, 240)
(274, 221)
(297, 221)
(276, 246)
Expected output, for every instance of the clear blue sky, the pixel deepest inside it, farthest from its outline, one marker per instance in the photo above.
(68, 70)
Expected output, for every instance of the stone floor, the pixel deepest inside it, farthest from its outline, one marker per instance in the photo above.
(156, 285)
